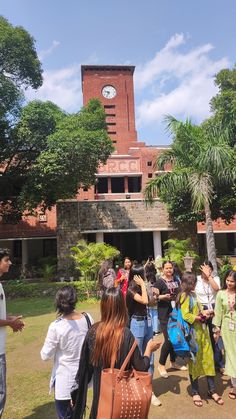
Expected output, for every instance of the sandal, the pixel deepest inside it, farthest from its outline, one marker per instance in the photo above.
(197, 402)
(232, 395)
(218, 400)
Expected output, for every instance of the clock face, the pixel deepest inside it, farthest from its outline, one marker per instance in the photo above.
(109, 92)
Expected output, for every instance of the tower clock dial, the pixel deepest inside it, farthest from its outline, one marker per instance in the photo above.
(109, 92)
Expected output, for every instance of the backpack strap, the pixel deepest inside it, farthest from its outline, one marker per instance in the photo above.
(127, 359)
(87, 319)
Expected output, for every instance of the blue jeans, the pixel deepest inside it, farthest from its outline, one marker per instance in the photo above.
(63, 409)
(155, 321)
(143, 333)
(218, 355)
(2, 383)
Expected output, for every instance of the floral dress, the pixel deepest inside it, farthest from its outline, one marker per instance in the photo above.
(223, 317)
(204, 361)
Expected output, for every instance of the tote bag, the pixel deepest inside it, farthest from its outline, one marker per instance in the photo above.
(124, 394)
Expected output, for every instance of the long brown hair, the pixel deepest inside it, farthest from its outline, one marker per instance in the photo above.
(110, 331)
(187, 283)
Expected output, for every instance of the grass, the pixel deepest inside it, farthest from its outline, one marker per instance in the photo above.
(28, 376)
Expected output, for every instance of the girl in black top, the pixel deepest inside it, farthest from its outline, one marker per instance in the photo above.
(105, 338)
(140, 321)
(168, 288)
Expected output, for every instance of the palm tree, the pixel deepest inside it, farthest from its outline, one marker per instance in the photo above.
(199, 163)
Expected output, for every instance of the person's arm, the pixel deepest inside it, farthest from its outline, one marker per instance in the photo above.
(213, 282)
(218, 317)
(185, 310)
(158, 289)
(143, 298)
(15, 322)
(50, 345)
(83, 377)
(142, 362)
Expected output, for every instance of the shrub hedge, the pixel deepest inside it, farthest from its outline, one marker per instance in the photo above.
(20, 289)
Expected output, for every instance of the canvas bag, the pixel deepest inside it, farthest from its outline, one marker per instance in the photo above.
(124, 394)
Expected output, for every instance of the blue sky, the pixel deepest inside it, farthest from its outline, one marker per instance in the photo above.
(176, 45)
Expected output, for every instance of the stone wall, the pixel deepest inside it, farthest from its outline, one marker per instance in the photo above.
(75, 218)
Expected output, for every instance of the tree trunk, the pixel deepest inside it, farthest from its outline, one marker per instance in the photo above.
(210, 239)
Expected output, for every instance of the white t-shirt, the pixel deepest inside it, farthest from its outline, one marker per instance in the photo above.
(205, 293)
(64, 342)
(3, 316)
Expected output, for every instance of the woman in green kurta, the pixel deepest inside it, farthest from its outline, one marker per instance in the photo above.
(203, 365)
(225, 322)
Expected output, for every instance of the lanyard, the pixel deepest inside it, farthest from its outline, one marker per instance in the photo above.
(207, 290)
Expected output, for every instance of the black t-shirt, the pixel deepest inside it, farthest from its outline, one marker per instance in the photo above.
(166, 287)
(135, 308)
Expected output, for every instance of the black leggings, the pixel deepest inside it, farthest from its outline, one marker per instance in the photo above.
(167, 347)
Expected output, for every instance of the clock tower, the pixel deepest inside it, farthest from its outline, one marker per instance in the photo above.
(113, 86)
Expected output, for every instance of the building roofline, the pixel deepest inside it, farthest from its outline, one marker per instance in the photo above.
(95, 67)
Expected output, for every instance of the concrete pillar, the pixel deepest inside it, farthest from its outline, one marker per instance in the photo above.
(157, 243)
(25, 256)
(99, 237)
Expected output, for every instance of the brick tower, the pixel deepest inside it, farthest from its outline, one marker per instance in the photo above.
(113, 86)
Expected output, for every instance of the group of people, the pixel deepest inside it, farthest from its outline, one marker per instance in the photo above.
(135, 305)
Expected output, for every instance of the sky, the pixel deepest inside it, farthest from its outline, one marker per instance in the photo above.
(177, 47)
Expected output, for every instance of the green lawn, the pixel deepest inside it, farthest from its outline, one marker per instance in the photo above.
(28, 376)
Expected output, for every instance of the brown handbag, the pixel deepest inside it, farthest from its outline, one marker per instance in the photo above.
(124, 394)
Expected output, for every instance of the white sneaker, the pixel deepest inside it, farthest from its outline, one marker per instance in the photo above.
(155, 401)
(179, 367)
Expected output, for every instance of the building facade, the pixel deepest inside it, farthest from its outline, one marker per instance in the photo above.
(113, 210)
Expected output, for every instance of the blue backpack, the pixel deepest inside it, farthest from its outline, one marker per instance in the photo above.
(181, 334)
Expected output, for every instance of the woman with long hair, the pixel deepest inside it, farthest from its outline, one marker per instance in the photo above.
(140, 321)
(122, 277)
(150, 274)
(106, 275)
(108, 337)
(167, 289)
(63, 344)
(225, 322)
(193, 313)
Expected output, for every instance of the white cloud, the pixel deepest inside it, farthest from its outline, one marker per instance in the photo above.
(44, 53)
(62, 87)
(177, 83)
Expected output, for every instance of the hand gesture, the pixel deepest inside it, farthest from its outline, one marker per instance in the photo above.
(155, 291)
(138, 280)
(166, 297)
(16, 323)
(207, 313)
(206, 270)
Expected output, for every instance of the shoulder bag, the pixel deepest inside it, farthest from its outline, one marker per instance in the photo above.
(124, 394)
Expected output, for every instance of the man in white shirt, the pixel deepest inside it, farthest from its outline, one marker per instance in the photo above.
(14, 322)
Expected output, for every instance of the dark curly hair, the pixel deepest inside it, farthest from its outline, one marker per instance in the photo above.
(65, 300)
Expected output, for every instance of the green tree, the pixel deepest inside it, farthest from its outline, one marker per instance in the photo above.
(177, 250)
(200, 161)
(223, 105)
(24, 143)
(50, 154)
(19, 67)
(89, 256)
(70, 159)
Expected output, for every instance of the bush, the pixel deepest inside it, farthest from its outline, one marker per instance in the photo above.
(15, 289)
